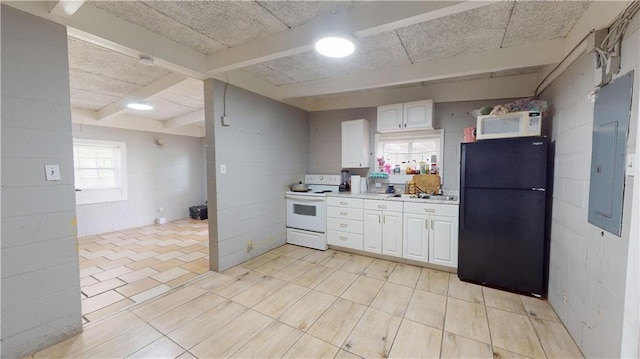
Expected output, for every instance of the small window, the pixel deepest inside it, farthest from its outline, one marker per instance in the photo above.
(100, 171)
(411, 148)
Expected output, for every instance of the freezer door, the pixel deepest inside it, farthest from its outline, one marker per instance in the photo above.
(502, 239)
(518, 163)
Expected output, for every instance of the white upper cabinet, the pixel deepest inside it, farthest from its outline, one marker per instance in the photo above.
(417, 115)
(355, 144)
(390, 118)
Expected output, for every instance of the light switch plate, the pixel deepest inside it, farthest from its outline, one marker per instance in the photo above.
(52, 172)
(223, 169)
(226, 121)
(631, 167)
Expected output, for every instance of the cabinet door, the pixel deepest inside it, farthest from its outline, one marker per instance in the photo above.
(415, 237)
(392, 234)
(443, 244)
(418, 115)
(351, 144)
(390, 118)
(373, 231)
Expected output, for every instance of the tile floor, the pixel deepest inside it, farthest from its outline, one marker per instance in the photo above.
(123, 268)
(296, 302)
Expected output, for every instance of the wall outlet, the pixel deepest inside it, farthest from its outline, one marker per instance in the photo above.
(52, 172)
(564, 297)
(250, 246)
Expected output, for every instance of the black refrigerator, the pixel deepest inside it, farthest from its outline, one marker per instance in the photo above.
(505, 198)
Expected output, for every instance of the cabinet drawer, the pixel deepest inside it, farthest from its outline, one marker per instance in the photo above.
(344, 225)
(395, 206)
(344, 202)
(345, 213)
(431, 209)
(344, 239)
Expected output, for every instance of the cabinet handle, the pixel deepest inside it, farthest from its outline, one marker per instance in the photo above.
(344, 213)
(344, 203)
(384, 219)
(399, 125)
(405, 125)
(430, 210)
(343, 225)
(432, 224)
(426, 224)
(382, 206)
(343, 238)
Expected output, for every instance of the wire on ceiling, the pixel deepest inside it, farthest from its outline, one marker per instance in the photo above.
(610, 45)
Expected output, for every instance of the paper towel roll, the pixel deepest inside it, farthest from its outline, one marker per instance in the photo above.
(355, 184)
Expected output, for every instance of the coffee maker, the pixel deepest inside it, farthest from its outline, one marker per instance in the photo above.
(344, 181)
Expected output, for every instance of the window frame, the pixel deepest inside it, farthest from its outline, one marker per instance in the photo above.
(102, 195)
(407, 136)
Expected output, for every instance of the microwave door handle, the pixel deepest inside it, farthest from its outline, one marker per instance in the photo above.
(305, 199)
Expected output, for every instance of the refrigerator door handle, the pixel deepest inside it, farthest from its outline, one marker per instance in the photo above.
(538, 189)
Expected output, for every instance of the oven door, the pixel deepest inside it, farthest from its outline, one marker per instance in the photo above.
(306, 212)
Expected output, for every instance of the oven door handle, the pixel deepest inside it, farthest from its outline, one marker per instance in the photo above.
(305, 198)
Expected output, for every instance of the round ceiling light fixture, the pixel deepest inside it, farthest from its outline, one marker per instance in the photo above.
(141, 106)
(336, 46)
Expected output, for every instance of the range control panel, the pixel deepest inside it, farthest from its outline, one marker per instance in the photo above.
(322, 179)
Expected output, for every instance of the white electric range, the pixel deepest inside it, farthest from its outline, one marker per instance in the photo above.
(306, 211)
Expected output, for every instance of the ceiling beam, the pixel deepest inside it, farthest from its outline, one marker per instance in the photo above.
(471, 90)
(130, 122)
(537, 54)
(64, 8)
(363, 20)
(142, 94)
(186, 119)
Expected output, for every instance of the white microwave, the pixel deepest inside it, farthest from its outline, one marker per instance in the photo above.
(514, 124)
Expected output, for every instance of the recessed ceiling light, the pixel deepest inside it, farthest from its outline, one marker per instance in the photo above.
(140, 106)
(335, 46)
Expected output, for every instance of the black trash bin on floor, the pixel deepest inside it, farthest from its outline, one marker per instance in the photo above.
(198, 212)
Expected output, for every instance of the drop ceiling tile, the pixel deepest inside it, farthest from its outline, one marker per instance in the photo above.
(307, 66)
(99, 84)
(188, 93)
(155, 21)
(534, 21)
(228, 22)
(266, 73)
(88, 100)
(100, 61)
(459, 34)
(295, 13)
(376, 51)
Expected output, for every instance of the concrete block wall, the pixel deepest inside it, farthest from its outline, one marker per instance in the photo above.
(588, 266)
(265, 149)
(453, 117)
(40, 294)
(171, 177)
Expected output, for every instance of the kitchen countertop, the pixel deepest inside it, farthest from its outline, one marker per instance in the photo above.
(388, 197)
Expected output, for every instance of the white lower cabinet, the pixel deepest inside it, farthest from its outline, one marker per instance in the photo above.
(344, 222)
(416, 237)
(418, 231)
(431, 233)
(383, 227)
